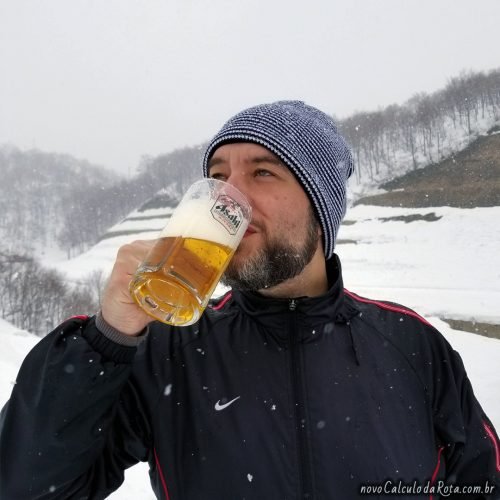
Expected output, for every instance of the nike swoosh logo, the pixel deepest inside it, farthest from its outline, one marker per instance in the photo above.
(219, 407)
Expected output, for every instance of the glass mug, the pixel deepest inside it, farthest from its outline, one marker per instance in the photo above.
(178, 276)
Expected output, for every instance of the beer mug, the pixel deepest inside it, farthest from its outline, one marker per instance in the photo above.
(181, 271)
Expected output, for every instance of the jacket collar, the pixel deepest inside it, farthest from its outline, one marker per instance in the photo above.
(309, 311)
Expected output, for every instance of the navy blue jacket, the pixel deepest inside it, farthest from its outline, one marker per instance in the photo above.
(312, 398)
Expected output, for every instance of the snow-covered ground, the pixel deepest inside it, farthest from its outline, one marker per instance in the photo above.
(447, 268)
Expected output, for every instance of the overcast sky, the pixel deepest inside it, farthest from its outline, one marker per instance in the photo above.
(111, 80)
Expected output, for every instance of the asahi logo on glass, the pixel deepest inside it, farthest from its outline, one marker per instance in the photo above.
(228, 213)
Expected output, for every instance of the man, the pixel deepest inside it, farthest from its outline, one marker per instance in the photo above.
(289, 387)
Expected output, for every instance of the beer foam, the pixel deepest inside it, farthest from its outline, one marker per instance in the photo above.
(194, 219)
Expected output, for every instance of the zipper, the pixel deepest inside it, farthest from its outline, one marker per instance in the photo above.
(299, 411)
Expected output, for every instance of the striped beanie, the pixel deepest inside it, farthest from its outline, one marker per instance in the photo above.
(308, 142)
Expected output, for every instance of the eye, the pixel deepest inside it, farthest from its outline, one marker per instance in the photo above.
(218, 176)
(262, 172)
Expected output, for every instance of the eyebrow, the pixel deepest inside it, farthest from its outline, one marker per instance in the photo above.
(267, 158)
(255, 160)
(214, 161)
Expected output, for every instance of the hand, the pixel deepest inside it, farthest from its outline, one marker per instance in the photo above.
(118, 308)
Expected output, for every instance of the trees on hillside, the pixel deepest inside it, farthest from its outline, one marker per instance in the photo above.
(36, 299)
(424, 129)
(38, 190)
(178, 169)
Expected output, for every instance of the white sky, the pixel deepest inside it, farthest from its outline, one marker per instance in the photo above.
(111, 80)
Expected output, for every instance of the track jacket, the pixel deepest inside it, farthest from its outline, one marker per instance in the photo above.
(312, 398)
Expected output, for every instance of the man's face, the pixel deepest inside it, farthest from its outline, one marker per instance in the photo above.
(283, 234)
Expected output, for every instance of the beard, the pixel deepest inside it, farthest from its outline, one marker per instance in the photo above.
(278, 261)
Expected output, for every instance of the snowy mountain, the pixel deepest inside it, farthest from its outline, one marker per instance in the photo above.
(41, 192)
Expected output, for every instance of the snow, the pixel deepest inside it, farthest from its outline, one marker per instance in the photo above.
(443, 269)
(15, 345)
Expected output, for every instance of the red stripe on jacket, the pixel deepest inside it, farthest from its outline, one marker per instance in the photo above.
(491, 435)
(388, 307)
(78, 316)
(436, 470)
(162, 478)
(223, 302)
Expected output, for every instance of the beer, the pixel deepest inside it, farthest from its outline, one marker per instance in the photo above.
(179, 287)
(180, 273)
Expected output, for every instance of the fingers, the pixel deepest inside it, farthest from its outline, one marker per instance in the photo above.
(118, 307)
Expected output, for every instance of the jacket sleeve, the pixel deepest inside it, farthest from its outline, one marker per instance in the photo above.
(471, 448)
(74, 421)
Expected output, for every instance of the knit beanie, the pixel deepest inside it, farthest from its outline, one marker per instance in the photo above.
(309, 144)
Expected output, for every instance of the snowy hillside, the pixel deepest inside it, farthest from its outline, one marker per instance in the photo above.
(446, 267)
(15, 345)
(401, 161)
